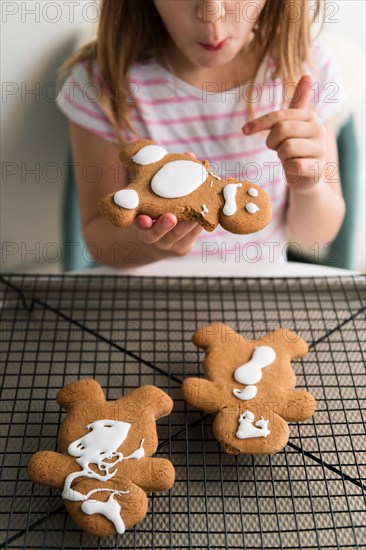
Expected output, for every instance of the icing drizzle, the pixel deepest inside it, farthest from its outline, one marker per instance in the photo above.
(98, 447)
(253, 192)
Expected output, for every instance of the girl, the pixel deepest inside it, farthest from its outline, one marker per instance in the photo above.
(242, 84)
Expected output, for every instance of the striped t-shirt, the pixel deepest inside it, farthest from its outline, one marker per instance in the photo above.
(208, 121)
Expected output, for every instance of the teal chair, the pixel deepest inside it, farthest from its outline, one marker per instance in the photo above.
(75, 257)
(341, 252)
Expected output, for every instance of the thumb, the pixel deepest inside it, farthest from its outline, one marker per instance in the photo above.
(301, 99)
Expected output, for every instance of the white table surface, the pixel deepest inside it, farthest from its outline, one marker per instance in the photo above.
(192, 267)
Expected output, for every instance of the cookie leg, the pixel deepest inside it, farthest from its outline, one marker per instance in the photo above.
(226, 426)
(110, 509)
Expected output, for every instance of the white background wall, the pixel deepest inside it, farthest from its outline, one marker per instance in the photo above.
(36, 37)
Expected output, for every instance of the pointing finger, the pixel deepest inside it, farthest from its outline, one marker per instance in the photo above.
(301, 99)
(266, 122)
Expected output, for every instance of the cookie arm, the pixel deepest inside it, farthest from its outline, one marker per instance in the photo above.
(297, 405)
(50, 468)
(202, 394)
(151, 474)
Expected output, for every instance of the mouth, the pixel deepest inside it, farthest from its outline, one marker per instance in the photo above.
(214, 47)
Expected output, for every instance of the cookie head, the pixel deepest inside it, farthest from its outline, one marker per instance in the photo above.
(247, 208)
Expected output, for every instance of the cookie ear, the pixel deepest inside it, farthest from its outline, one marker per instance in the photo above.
(140, 156)
(132, 149)
(80, 392)
(287, 340)
(148, 398)
(247, 208)
(214, 336)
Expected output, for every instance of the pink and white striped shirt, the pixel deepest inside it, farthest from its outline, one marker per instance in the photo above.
(208, 121)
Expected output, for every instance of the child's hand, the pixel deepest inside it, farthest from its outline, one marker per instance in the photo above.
(167, 234)
(298, 137)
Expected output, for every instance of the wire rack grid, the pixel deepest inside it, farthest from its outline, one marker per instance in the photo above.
(125, 332)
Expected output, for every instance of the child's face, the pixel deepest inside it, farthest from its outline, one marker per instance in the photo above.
(210, 33)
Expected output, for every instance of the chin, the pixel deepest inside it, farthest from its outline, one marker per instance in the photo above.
(213, 62)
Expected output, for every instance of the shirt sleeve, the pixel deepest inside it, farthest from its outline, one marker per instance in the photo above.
(329, 92)
(79, 98)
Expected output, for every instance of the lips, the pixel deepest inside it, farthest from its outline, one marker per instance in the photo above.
(214, 47)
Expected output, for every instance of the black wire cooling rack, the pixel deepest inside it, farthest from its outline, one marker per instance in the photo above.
(131, 331)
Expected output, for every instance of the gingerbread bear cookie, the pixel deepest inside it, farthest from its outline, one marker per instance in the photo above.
(250, 385)
(103, 463)
(164, 182)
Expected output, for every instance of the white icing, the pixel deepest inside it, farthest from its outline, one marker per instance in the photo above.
(229, 193)
(97, 447)
(149, 155)
(214, 175)
(178, 178)
(246, 429)
(246, 393)
(211, 184)
(127, 198)
(251, 372)
(253, 192)
(251, 208)
(204, 210)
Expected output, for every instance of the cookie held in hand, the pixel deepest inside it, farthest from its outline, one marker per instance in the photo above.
(103, 464)
(164, 182)
(250, 386)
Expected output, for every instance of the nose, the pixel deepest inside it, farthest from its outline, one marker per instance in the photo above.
(210, 11)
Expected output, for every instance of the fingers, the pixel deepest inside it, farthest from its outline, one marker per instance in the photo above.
(301, 99)
(292, 129)
(301, 148)
(184, 245)
(143, 222)
(168, 235)
(299, 110)
(268, 121)
(157, 230)
(303, 173)
(175, 238)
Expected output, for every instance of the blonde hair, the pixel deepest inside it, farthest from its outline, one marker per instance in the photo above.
(132, 30)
